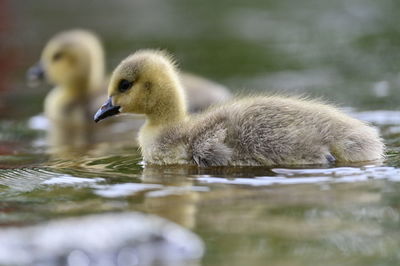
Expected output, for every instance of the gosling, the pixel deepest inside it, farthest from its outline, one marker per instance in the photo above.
(254, 131)
(74, 61)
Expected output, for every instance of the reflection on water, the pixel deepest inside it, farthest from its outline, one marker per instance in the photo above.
(120, 239)
(245, 215)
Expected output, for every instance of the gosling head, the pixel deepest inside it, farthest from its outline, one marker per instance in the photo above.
(68, 58)
(146, 83)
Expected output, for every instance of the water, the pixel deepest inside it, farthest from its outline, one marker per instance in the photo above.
(345, 51)
(135, 239)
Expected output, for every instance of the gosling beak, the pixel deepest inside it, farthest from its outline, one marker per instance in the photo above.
(106, 110)
(35, 74)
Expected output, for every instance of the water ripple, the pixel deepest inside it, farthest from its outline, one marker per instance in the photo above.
(121, 190)
(310, 176)
(70, 180)
(24, 179)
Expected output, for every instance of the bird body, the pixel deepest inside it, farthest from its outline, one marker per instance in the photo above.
(251, 131)
(262, 131)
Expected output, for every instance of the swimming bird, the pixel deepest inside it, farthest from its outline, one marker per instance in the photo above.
(74, 62)
(251, 131)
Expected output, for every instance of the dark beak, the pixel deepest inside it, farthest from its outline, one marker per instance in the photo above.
(35, 75)
(106, 110)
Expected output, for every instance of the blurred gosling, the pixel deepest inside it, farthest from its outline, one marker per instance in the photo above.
(253, 131)
(74, 62)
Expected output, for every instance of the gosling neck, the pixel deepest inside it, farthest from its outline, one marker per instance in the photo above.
(78, 88)
(168, 117)
(171, 109)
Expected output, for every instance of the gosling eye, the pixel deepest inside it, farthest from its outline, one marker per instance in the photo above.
(57, 56)
(124, 85)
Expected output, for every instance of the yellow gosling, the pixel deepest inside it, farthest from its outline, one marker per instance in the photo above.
(74, 62)
(254, 131)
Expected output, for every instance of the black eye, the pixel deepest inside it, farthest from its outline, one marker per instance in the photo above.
(57, 56)
(124, 85)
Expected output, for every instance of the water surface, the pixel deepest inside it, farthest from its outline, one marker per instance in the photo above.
(345, 51)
